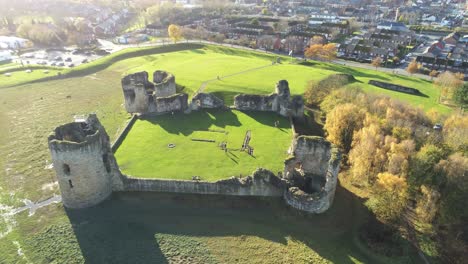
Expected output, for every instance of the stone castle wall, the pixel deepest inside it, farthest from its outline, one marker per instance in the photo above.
(144, 97)
(88, 173)
(91, 164)
(254, 102)
(395, 87)
(84, 163)
(319, 162)
(206, 101)
(280, 102)
(164, 84)
(261, 183)
(118, 141)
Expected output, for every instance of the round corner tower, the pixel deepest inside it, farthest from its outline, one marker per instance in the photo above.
(83, 161)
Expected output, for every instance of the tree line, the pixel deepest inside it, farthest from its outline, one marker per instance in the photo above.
(411, 165)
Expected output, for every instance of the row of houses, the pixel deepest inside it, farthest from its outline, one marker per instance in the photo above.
(378, 42)
(448, 52)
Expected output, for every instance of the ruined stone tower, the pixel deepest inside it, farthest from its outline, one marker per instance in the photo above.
(145, 97)
(84, 163)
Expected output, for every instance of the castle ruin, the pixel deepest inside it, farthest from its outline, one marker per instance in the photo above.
(88, 173)
(279, 102)
(160, 96)
(145, 97)
(86, 169)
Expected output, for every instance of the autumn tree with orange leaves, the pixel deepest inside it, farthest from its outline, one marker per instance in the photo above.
(325, 52)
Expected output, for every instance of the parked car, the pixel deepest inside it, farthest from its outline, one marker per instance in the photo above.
(58, 58)
(61, 64)
(71, 65)
(68, 59)
(53, 64)
(84, 61)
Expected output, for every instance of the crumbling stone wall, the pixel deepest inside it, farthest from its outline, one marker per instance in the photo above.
(84, 163)
(164, 84)
(176, 102)
(261, 183)
(296, 107)
(253, 102)
(395, 87)
(206, 100)
(88, 172)
(279, 102)
(312, 171)
(142, 96)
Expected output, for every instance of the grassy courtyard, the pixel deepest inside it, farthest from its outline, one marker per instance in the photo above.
(145, 152)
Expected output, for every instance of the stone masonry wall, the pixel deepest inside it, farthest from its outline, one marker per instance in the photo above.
(395, 87)
(318, 157)
(261, 183)
(84, 163)
(253, 102)
(206, 100)
(177, 102)
(164, 84)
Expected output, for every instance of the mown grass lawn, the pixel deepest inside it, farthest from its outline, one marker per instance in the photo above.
(167, 228)
(24, 77)
(145, 152)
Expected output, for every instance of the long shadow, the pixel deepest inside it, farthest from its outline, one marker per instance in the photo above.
(198, 51)
(186, 124)
(308, 125)
(124, 229)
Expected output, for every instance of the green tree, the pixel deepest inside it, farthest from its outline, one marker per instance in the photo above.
(255, 22)
(422, 166)
(460, 96)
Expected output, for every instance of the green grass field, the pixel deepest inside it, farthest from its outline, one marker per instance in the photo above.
(145, 154)
(30, 111)
(21, 74)
(195, 229)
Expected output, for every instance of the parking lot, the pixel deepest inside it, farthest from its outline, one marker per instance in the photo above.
(60, 58)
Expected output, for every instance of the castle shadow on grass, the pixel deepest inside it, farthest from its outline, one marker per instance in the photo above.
(126, 228)
(180, 123)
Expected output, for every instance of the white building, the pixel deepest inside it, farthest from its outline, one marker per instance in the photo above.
(5, 56)
(14, 42)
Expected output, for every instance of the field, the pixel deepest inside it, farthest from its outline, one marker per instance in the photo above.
(29, 112)
(145, 153)
(196, 229)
